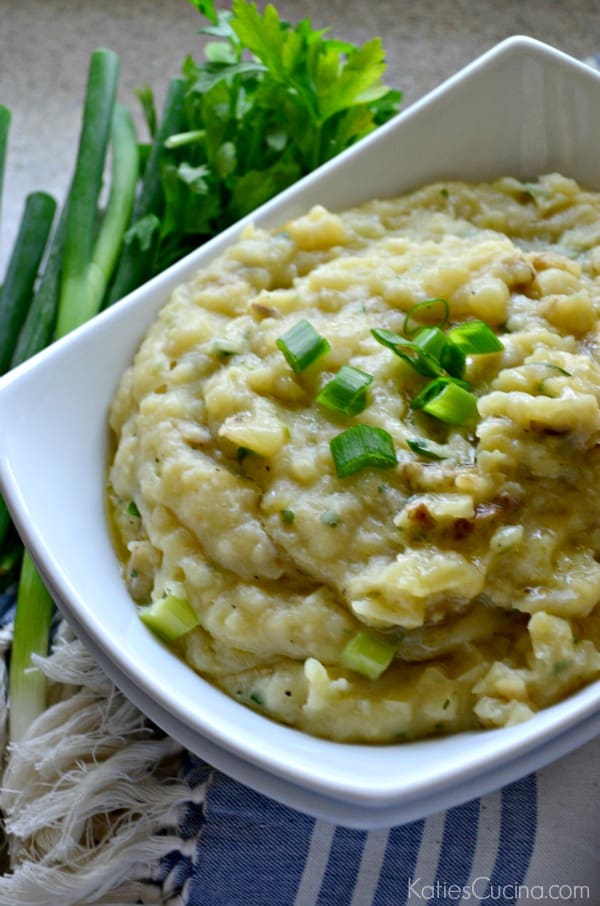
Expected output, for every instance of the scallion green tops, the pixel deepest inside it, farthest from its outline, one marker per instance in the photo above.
(361, 446)
(302, 345)
(434, 351)
(442, 356)
(347, 392)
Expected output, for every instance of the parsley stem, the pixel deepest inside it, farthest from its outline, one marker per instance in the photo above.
(316, 145)
(136, 262)
(180, 139)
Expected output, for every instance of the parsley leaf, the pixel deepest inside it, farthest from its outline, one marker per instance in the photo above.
(206, 8)
(268, 102)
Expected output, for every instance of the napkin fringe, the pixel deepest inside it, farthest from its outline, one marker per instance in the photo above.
(91, 796)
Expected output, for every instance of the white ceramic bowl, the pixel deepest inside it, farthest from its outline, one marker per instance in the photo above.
(521, 109)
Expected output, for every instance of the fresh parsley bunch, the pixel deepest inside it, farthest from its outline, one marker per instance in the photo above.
(269, 103)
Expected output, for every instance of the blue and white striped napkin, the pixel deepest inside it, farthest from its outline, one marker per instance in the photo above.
(535, 841)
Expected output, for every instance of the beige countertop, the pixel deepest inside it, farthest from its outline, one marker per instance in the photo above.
(45, 47)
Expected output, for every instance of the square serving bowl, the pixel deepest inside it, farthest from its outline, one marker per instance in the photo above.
(521, 109)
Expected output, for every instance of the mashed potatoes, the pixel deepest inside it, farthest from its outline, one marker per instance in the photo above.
(474, 559)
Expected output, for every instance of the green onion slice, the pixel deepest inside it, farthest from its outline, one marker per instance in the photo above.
(453, 359)
(426, 307)
(428, 392)
(169, 618)
(361, 446)
(475, 338)
(287, 516)
(347, 391)
(415, 355)
(447, 400)
(421, 448)
(301, 345)
(431, 340)
(549, 365)
(368, 654)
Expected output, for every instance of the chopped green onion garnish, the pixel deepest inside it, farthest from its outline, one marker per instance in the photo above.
(453, 359)
(426, 306)
(368, 654)
(475, 338)
(433, 388)
(361, 446)
(418, 358)
(169, 618)
(550, 365)
(347, 392)
(422, 449)
(446, 400)
(431, 340)
(132, 509)
(389, 338)
(302, 345)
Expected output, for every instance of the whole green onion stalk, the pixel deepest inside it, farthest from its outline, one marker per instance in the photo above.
(86, 257)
